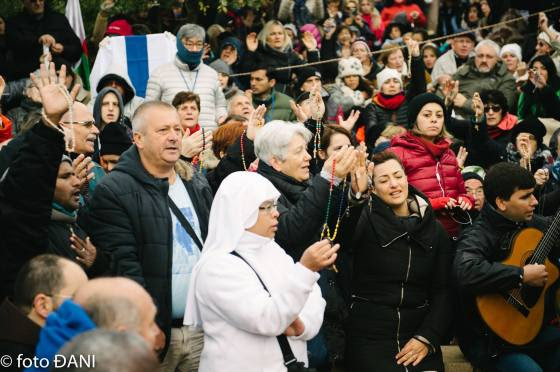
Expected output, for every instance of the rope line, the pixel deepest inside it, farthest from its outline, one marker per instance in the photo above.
(332, 60)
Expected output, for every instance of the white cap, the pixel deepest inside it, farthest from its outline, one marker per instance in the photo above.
(386, 74)
(514, 49)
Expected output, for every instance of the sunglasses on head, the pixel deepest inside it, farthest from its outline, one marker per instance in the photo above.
(495, 108)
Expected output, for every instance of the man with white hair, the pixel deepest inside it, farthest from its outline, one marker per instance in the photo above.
(151, 213)
(187, 73)
(484, 71)
(241, 105)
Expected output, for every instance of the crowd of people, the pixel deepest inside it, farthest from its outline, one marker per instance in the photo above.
(319, 185)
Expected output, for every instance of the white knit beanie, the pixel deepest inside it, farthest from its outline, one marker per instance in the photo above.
(386, 74)
(350, 66)
(514, 49)
(544, 37)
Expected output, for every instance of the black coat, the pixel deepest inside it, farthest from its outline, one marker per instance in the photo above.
(23, 32)
(302, 207)
(59, 244)
(18, 334)
(26, 196)
(479, 271)
(129, 218)
(401, 272)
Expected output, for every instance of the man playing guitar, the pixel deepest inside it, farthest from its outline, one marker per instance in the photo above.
(509, 208)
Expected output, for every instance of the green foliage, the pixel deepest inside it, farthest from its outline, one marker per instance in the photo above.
(91, 7)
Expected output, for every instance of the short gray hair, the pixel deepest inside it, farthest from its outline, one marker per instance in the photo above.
(189, 30)
(236, 95)
(111, 312)
(139, 117)
(488, 43)
(113, 351)
(275, 137)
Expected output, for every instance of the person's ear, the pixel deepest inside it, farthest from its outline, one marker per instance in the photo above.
(501, 204)
(42, 305)
(138, 139)
(272, 82)
(276, 164)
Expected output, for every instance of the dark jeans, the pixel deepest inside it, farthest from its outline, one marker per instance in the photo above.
(539, 360)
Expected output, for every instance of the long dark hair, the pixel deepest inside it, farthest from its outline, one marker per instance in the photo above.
(531, 99)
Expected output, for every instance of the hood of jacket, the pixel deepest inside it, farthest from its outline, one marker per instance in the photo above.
(98, 103)
(119, 74)
(390, 228)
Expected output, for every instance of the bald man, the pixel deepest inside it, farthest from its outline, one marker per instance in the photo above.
(83, 125)
(120, 304)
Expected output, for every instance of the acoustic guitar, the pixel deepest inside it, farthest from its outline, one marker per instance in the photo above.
(517, 316)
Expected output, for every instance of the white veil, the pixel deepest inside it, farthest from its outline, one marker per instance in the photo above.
(234, 209)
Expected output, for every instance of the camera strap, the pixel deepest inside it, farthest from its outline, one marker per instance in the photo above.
(287, 353)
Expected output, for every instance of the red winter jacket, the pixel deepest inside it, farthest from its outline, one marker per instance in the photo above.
(435, 176)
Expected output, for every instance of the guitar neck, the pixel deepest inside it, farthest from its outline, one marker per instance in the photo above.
(547, 242)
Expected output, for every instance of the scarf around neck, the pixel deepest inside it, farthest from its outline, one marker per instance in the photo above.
(390, 102)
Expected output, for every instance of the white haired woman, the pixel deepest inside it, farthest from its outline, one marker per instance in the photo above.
(246, 290)
(272, 47)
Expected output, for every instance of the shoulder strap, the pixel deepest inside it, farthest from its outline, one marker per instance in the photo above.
(287, 353)
(186, 225)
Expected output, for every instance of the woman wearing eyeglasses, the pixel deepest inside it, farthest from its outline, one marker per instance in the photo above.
(245, 290)
(429, 163)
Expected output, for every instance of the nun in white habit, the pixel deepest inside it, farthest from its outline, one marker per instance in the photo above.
(239, 317)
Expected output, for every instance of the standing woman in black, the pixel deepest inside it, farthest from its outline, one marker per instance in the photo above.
(400, 307)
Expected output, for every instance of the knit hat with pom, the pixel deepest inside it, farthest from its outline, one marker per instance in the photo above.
(350, 66)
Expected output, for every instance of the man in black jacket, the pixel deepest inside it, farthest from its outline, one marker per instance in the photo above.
(151, 214)
(34, 27)
(509, 207)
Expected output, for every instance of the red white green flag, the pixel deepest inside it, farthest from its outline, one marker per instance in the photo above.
(74, 15)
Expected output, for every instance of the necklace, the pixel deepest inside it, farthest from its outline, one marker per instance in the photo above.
(326, 230)
(185, 80)
(317, 139)
(242, 150)
(200, 155)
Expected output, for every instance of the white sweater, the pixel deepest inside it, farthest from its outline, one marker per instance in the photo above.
(174, 77)
(240, 319)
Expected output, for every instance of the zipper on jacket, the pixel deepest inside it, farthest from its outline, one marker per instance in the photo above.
(394, 239)
(438, 177)
(402, 298)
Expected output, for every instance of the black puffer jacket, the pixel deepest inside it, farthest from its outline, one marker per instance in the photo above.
(129, 218)
(401, 272)
(26, 196)
(479, 271)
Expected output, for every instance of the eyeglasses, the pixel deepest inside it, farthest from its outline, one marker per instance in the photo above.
(196, 46)
(88, 124)
(495, 108)
(269, 207)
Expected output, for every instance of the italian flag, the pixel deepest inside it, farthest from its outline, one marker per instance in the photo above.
(74, 15)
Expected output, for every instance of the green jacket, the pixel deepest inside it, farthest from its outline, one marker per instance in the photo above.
(471, 81)
(542, 103)
(277, 107)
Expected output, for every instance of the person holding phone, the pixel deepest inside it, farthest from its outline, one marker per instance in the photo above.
(540, 95)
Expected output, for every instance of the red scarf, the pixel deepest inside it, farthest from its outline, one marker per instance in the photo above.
(389, 102)
(436, 149)
(507, 123)
(194, 129)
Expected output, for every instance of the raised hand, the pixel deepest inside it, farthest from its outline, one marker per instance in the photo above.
(362, 172)
(252, 42)
(450, 90)
(413, 47)
(319, 255)
(83, 167)
(54, 95)
(543, 22)
(462, 156)
(309, 41)
(350, 121)
(541, 176)
(256, 121)
(298, 111)
(194, 144)
(85, 250)
(47, 39)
